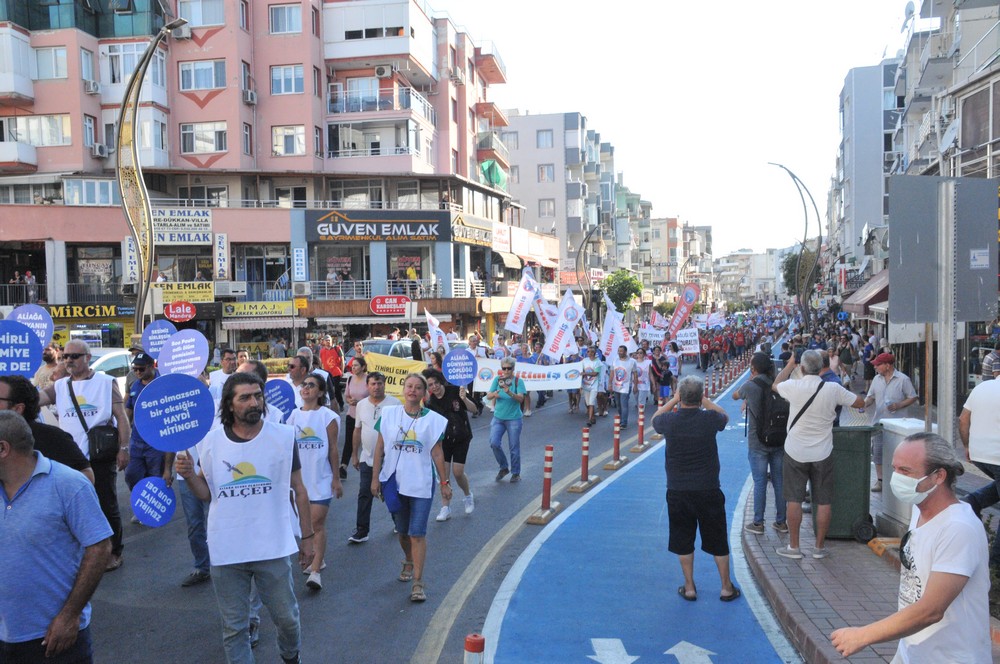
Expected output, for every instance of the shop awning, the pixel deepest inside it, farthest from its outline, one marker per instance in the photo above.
(375, 320)
(509, 260)
(268, 323)
(875, 289)
(535, 260)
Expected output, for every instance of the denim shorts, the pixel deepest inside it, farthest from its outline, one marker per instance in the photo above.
(324, 502)
(412, 518)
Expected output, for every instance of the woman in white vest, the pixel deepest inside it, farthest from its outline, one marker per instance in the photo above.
(409, 437)
(316, 429)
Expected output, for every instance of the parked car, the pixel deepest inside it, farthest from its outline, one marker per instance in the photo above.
(393, 348)
(116, 362)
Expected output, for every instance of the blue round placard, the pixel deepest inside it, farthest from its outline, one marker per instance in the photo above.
(153, 502)
(37, 318)
(20, 349)
(280, 394)
(185, 352)
(174, 412)
(155, 335)
(460, 366)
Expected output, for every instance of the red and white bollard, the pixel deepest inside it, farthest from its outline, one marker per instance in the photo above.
(618, 461)
(586, 479)
(641, 445)
(475, 649)
(659, 436)
(548, 510)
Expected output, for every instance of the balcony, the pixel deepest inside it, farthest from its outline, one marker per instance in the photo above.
(12, 295)
(489, 64)
(94, 293)
(467, 288)
(16, 87)
(935, 64)
(489, 146)
(17, 158)
(266, 291)
(399, 99)
(492, 112)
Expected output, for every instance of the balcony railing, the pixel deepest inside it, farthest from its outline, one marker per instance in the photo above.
(381, 151)
(12, 295)
(102, 293)
(341, 290)
(467, 288)
(401, 99)
(267, 291)
(490, 140)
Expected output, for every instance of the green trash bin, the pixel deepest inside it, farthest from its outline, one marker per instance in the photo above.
(852, 463)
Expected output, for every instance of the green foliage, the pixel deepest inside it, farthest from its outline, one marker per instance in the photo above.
(665, 308)
(621, 287)
(806, 278)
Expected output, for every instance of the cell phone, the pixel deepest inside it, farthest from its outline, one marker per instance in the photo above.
(504, 383)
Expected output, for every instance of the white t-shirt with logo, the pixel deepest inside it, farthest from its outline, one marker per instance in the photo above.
(314, 449)
(620, 375)
(94, 397)
(365, 419)
(592, 383)
(408, 443)
(643, 368)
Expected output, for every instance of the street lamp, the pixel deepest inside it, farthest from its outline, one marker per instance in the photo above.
(801, 294)
(580, 266)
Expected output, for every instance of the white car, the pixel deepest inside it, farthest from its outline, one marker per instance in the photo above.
(116, 362)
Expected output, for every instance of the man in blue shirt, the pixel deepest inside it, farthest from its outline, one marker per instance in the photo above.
(144, 460)
(53, 525)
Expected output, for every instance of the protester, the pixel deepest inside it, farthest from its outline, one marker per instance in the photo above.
(452, 403)
(144, 460)
(507, 391)
(218, 378)
(50, 362)
(979, 430)
(355, 390)
(591, 382)
(890, 392)
(623, 377)
(364, 439)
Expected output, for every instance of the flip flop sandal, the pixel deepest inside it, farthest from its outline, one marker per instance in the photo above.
(729, 598)
(406, 574)
(684, 595)
(417, 593)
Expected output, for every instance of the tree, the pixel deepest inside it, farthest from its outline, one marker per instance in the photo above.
(805, 272)
(665, 308)
(621, 287)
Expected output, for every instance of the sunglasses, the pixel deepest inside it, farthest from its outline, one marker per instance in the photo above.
(138, 369)
(311, 386)
(507, 368)
(74, 356)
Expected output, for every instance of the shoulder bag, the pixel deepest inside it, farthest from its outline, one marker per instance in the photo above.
(102, 440)
(806, 407)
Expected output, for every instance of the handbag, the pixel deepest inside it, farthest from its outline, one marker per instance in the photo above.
(390, 493)
(102, 440)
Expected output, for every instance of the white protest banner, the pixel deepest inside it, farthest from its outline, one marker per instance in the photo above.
(649, 333)
(615, 334)
(546, 313)
(523, 299)
(658, 319)
(717, 319)
(559, 338)
(591, 334)
(687, 339)
(535, 376)
(438, 338)
(700, 321)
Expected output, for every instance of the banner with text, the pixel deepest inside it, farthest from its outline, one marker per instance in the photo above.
(687, 339)
(535, 376)
(523, 299)
(394, 369)
(188, 291)
(687, 301)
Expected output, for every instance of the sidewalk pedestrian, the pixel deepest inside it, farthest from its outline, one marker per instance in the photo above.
(453, 404)
(363, 450)
(507, 392)
(890, 392)
(979, 429)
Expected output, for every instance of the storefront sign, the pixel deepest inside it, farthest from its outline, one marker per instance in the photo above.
(130, 261)
(90, 311)
(301, 303)
(189, 291)
(501, 238)
(519, 242)
(469, 231)
(299, 264)
(257, 309)
(222, 256)
(179, 311)
(389, 305)
(408, 261)
(182, 225)
(378, 226)
(101, 268)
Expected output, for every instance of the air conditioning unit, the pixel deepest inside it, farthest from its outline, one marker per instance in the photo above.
(92, 87)
(301, 288)
(250, 97)
(457, 76)
(181, 32)
(230, 288)
(383, 71)
(99, 150)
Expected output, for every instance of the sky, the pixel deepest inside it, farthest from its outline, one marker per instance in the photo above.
(696, 97)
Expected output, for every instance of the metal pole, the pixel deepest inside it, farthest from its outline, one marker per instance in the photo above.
(947, 200)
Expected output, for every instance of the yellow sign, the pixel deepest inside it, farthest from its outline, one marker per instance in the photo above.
(395, 369)
(257, 309)
(301, 303)
(186, 291)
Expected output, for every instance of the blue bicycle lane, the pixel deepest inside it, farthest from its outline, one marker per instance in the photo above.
(598, 584)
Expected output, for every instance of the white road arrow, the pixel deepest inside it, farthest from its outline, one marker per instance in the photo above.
(610, 651)
(689, 653)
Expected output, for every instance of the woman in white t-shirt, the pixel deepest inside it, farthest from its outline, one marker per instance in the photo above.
(409, 436)
(316, 428)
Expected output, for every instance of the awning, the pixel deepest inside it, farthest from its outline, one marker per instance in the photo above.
(509, 260)
(375, 320)
(545, 262)
(268, 323)
(875, 289)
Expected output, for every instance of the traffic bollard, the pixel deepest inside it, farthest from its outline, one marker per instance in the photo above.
(659, 404)
(586, 479)
(548, 510)
(475, 649)
(618, 461)
(641, 445)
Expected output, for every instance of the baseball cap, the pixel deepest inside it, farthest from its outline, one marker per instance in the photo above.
(884, 358)
(142, 360)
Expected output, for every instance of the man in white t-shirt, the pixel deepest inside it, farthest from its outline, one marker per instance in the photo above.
(642, 364)
(812, 407)
(979, 429)
(365, 436)
(623, 376)
(944, 579)
(216, 379)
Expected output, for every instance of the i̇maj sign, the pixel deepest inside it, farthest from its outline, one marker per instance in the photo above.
(378, 226)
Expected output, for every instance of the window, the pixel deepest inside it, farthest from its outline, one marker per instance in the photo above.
(287, 141)
(89, 137)
(245, 78)
(203, 75)
(454, 110)
(110, 135)
(87, 65)
(122, 60)
(356, 194)
(200, 137)
(247, 138)
(515, 174)
(51, 62)
(546, 173)
(543, 139)
(157, 71)
(40, 130)
(509, 139)
(245, 14)
(315, 21)
(454, 161)
(208, 195)
(546, 207)
(153, 135)
(202, 12)
(286, 19)
(317, 82)
(286, 80)
(318, 142)
(90, 192)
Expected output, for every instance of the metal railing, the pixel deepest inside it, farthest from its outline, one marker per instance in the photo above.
(401, 99)
(12, 295)
(267, 291)
(467, 288)
(490, 140)
(341, 290)
(414, 288)
(381, 151)
(108, 292)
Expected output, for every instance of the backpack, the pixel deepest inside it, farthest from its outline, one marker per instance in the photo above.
(772, 416)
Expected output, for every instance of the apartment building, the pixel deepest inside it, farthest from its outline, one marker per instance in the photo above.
(333, 151)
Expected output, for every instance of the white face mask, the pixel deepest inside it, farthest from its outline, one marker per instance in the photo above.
(905, 488)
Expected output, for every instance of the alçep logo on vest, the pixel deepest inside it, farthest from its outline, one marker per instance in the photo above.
(246, 482)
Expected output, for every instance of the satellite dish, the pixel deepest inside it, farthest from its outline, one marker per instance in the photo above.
(909, 10)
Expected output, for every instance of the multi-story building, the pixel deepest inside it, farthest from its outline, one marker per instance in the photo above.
(695, 262)
(349, 148)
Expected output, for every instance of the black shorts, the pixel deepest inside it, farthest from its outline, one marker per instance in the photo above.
(455, 451)
(701, 511)
(869, 371)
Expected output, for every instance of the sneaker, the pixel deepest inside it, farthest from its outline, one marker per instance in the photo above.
(194, 578)
(819, 554)
(527, 413)
(343, 472)
(254, 635)
(314, 581)
(877, 487)
(502, 473)
(444, 514)
(309, 570)
(470, 503)
(135, 520)
(789, 552)
(780, 527)
(516, 477)
(358, 537)
(292, 660)
(756, 528)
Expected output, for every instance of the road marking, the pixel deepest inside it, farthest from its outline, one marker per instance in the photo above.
(610, 651)
(689, 653)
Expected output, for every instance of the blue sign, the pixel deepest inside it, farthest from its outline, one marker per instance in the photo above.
(843, 315)
(460, 366)
(20, 349)
(185, 352)
(153, 502)
(174, 412)
(155, 335)
(279, 393)
(37, 318)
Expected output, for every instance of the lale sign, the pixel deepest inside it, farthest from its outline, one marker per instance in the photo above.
(179, 311)
(389, 305)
